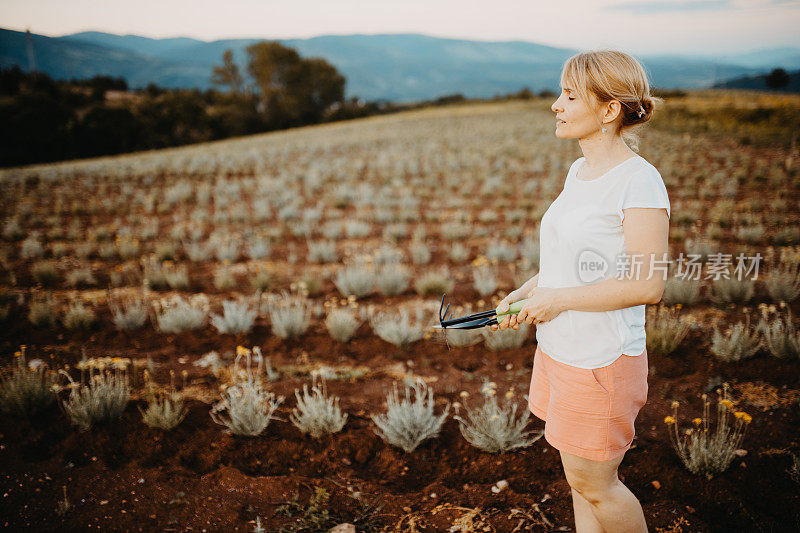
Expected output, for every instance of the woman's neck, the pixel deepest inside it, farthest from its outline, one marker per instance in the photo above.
(604, 150)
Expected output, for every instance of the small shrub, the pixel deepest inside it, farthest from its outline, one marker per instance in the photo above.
(702, 248)
(258, 247)
(507, 339)
(733, 290)
(484, 280)
(738, 342)
(529, 252)
(127, 248)
(154, 274)
(702, 450)
(780, 337)
(495, 429)
(166, 250)
(164, 410)
(665, 330)
(341, 324)
(357, 228)
(224, 279)
(459, 253)
(783, 282)
(332, 230)
(786, 235)
(31, 248)
(388, 254)
(420, 253)
(176, 277)
(261, 280)
(102, 400)
(45, 272)
(248, 406)
(42, 311)
(462, 337)
(309, 284)
(289, 315)
(398, 328)
(225, 249)
(178, 315)
(681, 291)
(78, 316)
(197, 252)
(237, 317)
(322, 252)
(316, 414)
(751, 234)
(794, 470)
(81, 276)
(392, 279)
(128, 315)
(501, 252)
(355, 280)
(434, 282)
(26, 391)
(408, 423)
(454, 231)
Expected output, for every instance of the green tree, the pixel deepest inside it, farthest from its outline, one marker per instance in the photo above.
(313, 86)
(292, 90)
(777, 79)
(228, 74)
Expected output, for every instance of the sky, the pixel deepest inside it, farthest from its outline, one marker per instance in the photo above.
(695, 27)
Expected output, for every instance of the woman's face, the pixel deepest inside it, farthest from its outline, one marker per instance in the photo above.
(575, 119)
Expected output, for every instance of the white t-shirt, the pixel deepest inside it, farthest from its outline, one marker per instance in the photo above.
(580, 241)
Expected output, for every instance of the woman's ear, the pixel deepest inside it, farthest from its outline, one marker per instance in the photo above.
(612, 110)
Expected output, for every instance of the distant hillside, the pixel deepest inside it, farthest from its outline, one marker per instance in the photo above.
(398, 67)
(759, 83)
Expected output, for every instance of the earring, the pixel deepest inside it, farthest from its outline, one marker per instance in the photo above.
(604, 129)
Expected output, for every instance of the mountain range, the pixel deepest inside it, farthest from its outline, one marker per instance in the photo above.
(393, 67)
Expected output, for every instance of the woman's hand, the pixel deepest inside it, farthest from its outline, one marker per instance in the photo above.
(542, 306)
(503, 306)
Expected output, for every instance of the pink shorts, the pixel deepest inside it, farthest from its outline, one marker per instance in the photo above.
(589, 412)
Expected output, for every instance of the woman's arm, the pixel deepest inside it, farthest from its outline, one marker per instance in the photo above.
(646, 241)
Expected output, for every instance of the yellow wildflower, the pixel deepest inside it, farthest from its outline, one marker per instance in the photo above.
(697, 421)
(727, 403)
(17, 354)
(675, 404)
(669, 420)
(743, 416)
(678, 306)
(241, 350)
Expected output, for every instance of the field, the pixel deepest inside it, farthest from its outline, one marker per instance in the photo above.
(361, 220)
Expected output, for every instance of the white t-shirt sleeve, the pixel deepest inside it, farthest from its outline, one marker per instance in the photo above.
(645, 188)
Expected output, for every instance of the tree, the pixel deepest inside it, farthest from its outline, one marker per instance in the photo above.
(292, 90)
(228, 73)
(312, 87)
(777, 79)
(268, 65)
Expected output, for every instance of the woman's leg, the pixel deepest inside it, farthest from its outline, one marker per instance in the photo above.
(613, 505)
(585, 521)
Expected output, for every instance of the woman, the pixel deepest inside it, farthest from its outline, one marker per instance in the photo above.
(603, 256)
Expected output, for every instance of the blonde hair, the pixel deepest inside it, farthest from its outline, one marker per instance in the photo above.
(607, 75)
